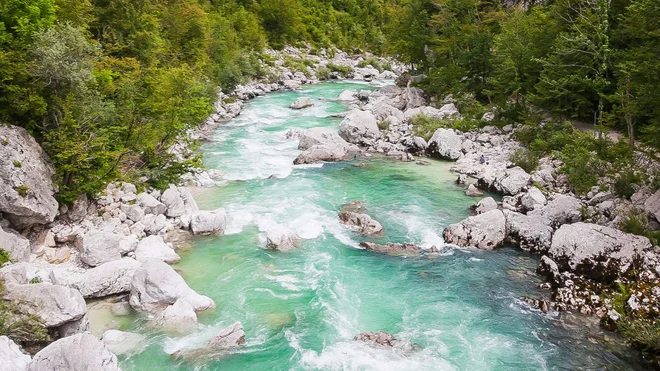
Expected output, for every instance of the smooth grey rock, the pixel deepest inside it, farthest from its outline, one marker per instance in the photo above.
(302, 102)
(530, 233)
(320, 136)
(652, 206)
(13, 359)
(348, 95)
(16, 245)
(174, 203)
(209, 222)
(397, 248)
(595, 251)
(485, 231)
(485, 205)
(80, 352)
(107, 279)
(26, 185)
(153, 224)
(533, 199)
(74, 327)
(515, 180)
(121, 342)
(359, 127)
(179, 317)
(55, 305)
(156, 285)
(100, 247)
(473, 191)
(150, 204)
(135, 213)
(561, 209)
(23, 273)
(153, 247)
(445, 144)
(548, 268)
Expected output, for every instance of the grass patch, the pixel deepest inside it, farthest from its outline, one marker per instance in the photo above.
(526, 159)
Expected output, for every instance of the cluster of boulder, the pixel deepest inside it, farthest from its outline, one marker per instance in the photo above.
(578, 237)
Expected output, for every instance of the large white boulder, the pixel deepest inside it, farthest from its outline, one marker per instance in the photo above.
(80, 352)
(359, 127)
(596, 251)
(11, 356)
(485, 231)
(16, 245)
(302, 102)
(156, 285)
(54, 305)
(529, 232)
(561, 209)
(153, 247)
(514, 181)
(446, 144)
(26, 185)
(209, 222)
(100, 247)
(652, 206)
(179, 317)
(173, 201)
(324, 144)
(150, 204)
(107, 279)
(279, 237)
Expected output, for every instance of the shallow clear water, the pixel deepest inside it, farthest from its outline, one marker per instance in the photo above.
(301, 309)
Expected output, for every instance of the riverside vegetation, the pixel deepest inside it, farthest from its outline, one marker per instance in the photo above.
(108, 88)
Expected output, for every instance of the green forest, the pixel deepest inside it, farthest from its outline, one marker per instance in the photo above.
(107, 86)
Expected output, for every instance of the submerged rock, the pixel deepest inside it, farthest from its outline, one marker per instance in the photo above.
(385, 340)
(397, 248)
(179, 317)
(302, 102)
(26, 186)
(80, 352)
(473, 191)
(121, 342)
(281, 238)
(222, 344)
(485, 231)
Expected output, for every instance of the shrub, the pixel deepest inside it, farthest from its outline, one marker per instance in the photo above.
(21, 327)
(643, 335)
(636, 223)
(526, 159)
(424, 126)
(383, 125)
(4, 257)
(23, 190)
(343, 70)
(623, 184)
(323, 73)
(581, 167)
(17, 163)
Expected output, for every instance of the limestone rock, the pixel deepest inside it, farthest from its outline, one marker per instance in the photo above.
(156, 285)
(359, 127)
(514, 181)
(598, 252)
(26, 186)
(209, 222)
(533, 199)
(80, 352)
(121, 342)
(445, 144)
(652, 206)
(302, 102)
(473, 191)
(385, 340)
(150, 204)
(16, 245)
(173, 201)
(316, 136)
(485, 205)
(561, 209)
(13, 359)
(323, 144)
(100, 247)
(179, 317)
(107, 279)
(362, 223)
(348, 95)
(530, 233)
(396, 248)
(485, 231)
(153, 247)
(55, 305)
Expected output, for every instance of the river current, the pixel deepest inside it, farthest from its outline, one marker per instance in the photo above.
(301, 309)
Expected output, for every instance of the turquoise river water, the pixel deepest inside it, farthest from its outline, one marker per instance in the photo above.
(301, 309)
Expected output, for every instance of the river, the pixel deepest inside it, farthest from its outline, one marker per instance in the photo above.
(301, 309)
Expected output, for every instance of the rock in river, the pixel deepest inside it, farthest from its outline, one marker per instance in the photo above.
(220, 345)
(302, 102)
(485, 231)
(80, 352)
